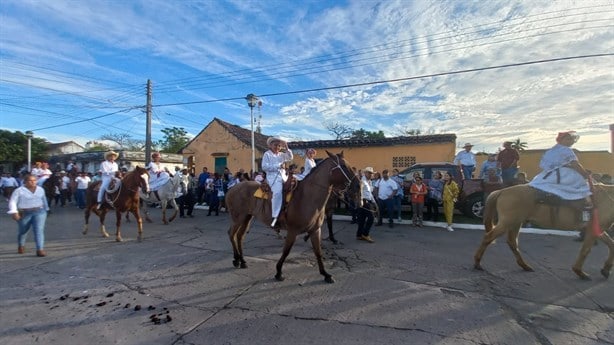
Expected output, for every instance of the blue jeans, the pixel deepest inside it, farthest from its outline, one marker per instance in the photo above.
(468, 171)
(387, 204)
(397, 205)
(80, 198)
(509, 175)
(36, 220)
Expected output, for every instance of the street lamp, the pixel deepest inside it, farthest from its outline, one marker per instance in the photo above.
(29, 135)
(252, 101)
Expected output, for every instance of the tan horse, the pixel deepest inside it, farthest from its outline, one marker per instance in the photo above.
(515, 205)
(304, 213)
(125, 198)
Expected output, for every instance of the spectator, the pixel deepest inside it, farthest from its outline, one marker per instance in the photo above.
(387, 189)
(521, 178)
(9, 183)
(217, 193)
(466, 161)
(398, 198)
(434, 197)
(202, 185)
(450, 195)
(489, 164)
(28, 207)
(82, 182)
(508, 163)
(64, 191)
(418, 190)
(365, 213)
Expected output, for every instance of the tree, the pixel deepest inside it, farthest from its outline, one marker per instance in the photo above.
(519, 145)
(364, 134)
(411, 132)
(14, 147)
(340, 131)
(125, 141)
(174, 140)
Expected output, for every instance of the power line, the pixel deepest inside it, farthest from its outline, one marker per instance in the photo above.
(517, 64)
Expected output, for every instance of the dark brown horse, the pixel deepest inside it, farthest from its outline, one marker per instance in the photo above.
(54, 181)
(517, 204)
(304, 213)
(124, 197)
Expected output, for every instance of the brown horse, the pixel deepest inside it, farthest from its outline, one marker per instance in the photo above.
(124, 197)
(54, 181)
(517, 204)
(304, 213)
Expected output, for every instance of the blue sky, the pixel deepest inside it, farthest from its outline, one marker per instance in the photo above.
(82, 66)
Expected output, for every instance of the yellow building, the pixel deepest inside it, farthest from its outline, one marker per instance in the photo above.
(221, 144)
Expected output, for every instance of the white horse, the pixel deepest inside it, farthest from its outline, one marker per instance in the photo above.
(164, 195)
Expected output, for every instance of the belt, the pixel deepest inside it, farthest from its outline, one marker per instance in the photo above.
(467, 165)
(32, 209)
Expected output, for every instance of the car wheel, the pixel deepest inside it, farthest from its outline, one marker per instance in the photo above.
(474, 207)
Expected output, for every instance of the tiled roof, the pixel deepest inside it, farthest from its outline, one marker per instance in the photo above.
(403, 140)
(245, 135)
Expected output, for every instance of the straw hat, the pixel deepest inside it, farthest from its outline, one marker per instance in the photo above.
(467, 145)
(273, 139)
(111, 153)
(369, 169)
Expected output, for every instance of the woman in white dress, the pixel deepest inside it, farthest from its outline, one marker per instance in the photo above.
(158, 175)
(310, 163)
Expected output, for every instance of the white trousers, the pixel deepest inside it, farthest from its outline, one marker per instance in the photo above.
(106, 180)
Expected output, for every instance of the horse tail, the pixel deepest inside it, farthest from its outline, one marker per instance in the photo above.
(490, 210)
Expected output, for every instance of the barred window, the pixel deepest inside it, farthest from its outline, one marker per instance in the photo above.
(403, 162)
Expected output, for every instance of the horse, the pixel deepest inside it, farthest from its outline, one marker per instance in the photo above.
(517, 204)
(304, 213)
(54, 181)
(124, 197)
(164, 195)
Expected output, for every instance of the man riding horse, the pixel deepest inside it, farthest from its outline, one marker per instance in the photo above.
(273, 162)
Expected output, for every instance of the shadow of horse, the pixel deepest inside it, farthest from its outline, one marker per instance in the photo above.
(304, 213)
(124, 198)
(517, 204)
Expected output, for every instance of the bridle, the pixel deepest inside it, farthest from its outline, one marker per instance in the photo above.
(348, 180)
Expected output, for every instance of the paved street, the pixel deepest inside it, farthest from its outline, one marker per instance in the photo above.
(178, 286)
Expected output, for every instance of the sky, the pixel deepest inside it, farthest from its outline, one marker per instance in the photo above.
(487, 71)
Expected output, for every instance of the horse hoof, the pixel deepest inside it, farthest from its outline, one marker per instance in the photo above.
(581, 274)
(235, 263)
(605, 273)
(329, 279)
(243, 265)
(139, 238)
(279, 277)
(118, 239)
(105, 235)
(478, 267)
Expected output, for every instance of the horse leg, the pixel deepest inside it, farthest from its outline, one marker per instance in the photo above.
(163, 204)
(139, 223)
(146, 212)
(290, 238)
(512, 242)
(607, 265)
(489, 237)
(118, 222)
(87, 220)
(176, 208)
(236, 233)
(241, 236)
(587, 245)
(329, 224)
(232, 235)
(316, 238)
(102, 215)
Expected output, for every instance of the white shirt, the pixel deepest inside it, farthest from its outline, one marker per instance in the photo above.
(9, 182)
(310, 163)
(82, 181)
(386, 189)
(271, 164)
(108, 168)
(366, 189)
(65, 182)
(465, 158)
(22, 198)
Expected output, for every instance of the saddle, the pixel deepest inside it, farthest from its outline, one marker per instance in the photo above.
(555, 203)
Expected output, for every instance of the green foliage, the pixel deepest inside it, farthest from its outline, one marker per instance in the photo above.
(174, 140)
(364, 134)
(125, 141)
(411, 132)
(98, 147)
(519, 145)
(14, 147)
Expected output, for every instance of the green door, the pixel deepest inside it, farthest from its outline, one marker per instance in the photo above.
(220, 164)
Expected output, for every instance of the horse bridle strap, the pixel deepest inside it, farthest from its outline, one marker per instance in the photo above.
(348, 179)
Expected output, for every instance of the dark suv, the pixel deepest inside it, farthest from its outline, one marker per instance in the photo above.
(471, 197)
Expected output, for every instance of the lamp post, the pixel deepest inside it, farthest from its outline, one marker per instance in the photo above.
(29, 135)
(252, 101)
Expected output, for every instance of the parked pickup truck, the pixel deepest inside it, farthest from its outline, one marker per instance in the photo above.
(471, 197)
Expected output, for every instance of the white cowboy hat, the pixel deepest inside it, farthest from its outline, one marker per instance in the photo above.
(111, 153)
(270, 140)
(467, 145)
(369, 169)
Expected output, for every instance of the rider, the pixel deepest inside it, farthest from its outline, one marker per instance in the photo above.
(310, 163)
(158, 175)
(108, 168)
(273, 164)
(43, 173)
(562, 174)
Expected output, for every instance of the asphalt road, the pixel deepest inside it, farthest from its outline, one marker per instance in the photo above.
(413, 286)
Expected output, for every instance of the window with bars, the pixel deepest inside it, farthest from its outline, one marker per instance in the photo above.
(403, 162)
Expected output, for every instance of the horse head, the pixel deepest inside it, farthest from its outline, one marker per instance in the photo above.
(143, 178)
(343, 179)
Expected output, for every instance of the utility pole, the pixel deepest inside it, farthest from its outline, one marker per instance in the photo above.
(148, 125)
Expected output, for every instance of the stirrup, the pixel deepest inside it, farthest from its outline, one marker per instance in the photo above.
(274, 222)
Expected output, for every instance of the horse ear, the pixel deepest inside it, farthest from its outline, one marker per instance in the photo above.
(331, 155)
(341, 154)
